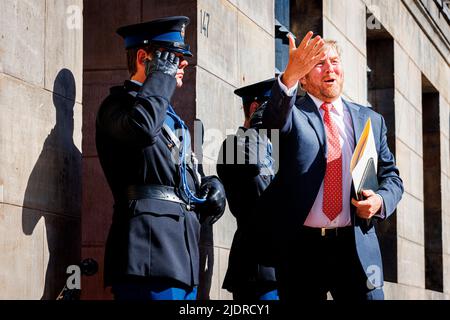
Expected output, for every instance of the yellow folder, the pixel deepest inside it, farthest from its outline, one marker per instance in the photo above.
(364, 163)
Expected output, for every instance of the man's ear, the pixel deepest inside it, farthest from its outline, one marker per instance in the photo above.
(141, 56)
(253, 107)
(303, 81)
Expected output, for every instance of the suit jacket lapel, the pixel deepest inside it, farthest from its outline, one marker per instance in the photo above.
(358, 119)
(308, 107)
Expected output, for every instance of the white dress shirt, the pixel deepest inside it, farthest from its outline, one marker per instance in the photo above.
(343, 120)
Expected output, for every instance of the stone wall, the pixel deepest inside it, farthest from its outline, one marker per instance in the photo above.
(40, 145)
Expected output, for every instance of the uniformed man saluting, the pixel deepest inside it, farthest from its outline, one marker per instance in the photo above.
(145, 152)
(246, 168)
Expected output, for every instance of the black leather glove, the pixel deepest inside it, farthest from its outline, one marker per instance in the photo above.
(165, 62)
(256, 117)
(212, 189)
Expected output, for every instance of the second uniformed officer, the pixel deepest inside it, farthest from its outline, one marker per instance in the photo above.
(246, 171)
(144, 149)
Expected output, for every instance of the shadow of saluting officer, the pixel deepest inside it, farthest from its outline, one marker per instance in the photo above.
(54, 189)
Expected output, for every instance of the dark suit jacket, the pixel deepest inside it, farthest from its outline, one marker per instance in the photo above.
(303, 153)
(148, 237)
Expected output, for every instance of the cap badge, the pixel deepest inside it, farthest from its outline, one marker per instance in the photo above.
(182, 31)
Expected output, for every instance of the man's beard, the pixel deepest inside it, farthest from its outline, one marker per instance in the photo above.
(333, 92)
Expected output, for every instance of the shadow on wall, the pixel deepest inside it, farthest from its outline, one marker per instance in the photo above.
(54, 191)
(206, 260)
(206, 245)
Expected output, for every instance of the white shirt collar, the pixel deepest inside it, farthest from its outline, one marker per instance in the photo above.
(337, 104)
(137, 82)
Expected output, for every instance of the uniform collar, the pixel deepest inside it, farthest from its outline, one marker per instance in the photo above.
(136, 82)
(338, 104)
(132, 85)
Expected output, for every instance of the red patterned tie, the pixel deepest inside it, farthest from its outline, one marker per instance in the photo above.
(332, 186)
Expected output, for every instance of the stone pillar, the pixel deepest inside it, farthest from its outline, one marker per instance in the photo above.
(409, 156)
(349, 29)
(380, 62)
(444, 117)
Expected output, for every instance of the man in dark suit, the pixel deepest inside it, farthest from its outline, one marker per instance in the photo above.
(144, 148)
(326, 241)
(245, 167)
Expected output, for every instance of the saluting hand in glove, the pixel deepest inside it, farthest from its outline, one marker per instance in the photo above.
(165, 62)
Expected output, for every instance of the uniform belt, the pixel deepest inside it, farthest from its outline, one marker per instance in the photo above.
(327, 232)
(153, 191)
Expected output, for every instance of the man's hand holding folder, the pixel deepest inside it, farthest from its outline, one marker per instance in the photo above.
(363, 168)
